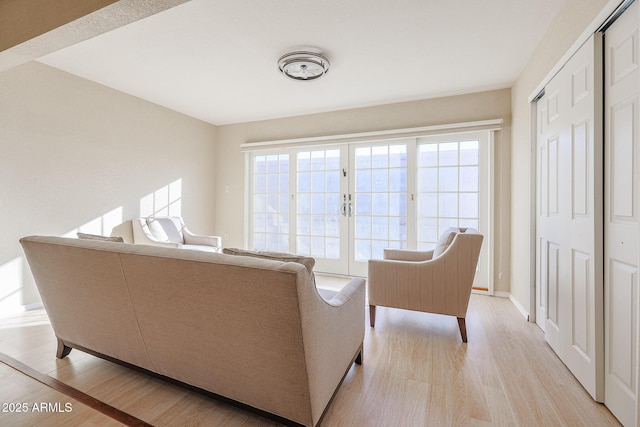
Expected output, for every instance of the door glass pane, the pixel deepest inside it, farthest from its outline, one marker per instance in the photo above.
(318, 203)
(270, 207)
(380, 200)
(448, 188)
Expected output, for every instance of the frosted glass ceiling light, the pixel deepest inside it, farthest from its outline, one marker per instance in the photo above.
(303, 65)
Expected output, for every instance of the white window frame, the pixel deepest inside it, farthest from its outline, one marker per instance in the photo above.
(289, 146)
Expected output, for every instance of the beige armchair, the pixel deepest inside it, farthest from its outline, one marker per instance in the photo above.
(437, 281)
(171, 232)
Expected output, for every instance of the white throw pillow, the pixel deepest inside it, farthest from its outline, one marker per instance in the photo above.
(87, 236)
(308, 262)
(157, 230)
(445, 240)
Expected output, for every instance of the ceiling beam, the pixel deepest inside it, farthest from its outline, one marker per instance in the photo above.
(29, 19)
(22, 20)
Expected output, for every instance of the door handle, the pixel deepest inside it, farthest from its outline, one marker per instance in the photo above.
(344, 205)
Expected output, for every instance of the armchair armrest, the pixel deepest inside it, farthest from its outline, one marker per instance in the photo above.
(201, 239)
(407, 255)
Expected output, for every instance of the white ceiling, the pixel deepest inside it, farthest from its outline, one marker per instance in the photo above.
(216, 59)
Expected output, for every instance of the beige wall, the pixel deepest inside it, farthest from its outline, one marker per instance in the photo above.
(74, 151)
(230, 167)
(572, 21)
(77, 155)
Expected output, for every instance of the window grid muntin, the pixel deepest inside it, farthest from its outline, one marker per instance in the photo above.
(270, 204)
(318, 203)
(437, 194)
(383, 224)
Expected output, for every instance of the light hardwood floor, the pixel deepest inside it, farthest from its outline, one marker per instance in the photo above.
(416, 372)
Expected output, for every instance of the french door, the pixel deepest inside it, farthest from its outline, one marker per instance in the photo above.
(350, 203)
(320, 208)
(344, 204)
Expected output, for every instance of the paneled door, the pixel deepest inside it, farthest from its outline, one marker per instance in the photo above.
(622, 227)
(569, 220)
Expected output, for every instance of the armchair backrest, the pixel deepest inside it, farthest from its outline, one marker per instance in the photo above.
(160, 231)
(166, 229)
(465, 252)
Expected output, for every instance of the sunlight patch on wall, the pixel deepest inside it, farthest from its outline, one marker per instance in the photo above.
(165, 201)
(101, 225)
(11, 277)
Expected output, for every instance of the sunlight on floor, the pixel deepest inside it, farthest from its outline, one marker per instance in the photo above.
(27, 318)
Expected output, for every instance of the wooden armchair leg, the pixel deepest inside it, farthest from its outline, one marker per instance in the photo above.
(372, 315)
(463, 328)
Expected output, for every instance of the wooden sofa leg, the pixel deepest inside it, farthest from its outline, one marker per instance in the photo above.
(372, 315)
(463, 328)
(358, 359)
(63, 351)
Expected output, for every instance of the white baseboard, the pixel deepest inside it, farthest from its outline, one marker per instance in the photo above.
(33, 306)
(521, 309)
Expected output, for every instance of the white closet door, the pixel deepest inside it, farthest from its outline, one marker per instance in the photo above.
(621, 216)
(569, 223)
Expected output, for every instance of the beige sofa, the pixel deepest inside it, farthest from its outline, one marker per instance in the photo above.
(251, 330)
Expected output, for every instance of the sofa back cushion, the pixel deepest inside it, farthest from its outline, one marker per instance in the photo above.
(85, 295)
(308, 262)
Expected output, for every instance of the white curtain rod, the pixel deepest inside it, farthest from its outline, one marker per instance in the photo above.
(495, 124)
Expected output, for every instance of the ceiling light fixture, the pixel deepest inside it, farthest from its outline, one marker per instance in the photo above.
(303, 65)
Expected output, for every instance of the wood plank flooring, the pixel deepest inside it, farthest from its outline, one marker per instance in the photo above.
(416, 372)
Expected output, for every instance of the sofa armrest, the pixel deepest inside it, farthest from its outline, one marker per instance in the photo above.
(333, 335)
(407, 255)
(201, 239)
